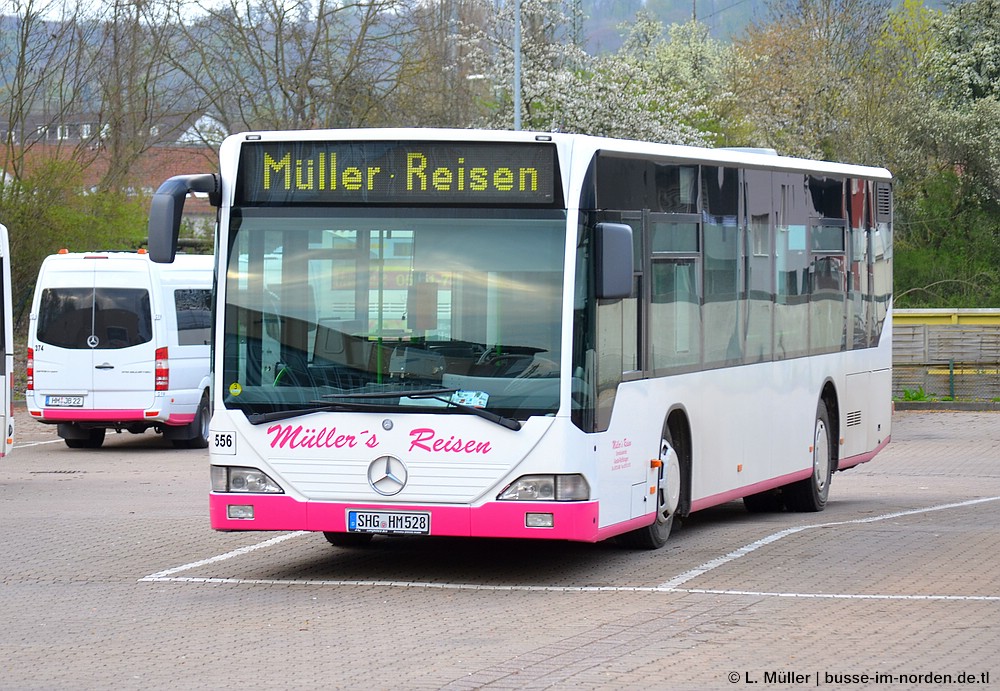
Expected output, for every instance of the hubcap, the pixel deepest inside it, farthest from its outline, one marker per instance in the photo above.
(821, 455)
(669, 490)
(204, 425)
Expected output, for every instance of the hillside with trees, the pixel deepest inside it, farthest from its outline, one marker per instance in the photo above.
(905, 85)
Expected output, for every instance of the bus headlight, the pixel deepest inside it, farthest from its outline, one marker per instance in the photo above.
(248, 480)
(547, 488)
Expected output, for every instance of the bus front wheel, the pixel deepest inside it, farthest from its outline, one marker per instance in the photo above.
(668, 499)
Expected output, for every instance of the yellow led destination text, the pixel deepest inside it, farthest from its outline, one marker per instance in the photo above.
(479, 179)
(322, 174)
(316, 174)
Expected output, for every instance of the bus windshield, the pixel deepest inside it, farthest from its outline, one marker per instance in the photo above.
(355, 308)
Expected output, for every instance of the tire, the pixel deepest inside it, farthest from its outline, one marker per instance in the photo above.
(810, 495)
(348, 539)
(199, 426)
(93, 440)
(668, 499)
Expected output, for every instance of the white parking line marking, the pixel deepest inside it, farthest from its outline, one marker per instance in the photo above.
(683, 578)
(164, 575)
(671, 586)
(839, 596)
(560, 589)
(37, 443)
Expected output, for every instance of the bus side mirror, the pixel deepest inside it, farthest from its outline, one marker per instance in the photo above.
(613, 250)
(165, 211)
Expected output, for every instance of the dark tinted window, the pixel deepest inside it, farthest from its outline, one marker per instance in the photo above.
(107, 318)
(194, 316)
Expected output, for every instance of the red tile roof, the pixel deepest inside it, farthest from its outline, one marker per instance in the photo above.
(148, 173)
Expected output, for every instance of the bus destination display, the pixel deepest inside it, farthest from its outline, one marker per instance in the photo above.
(317, 172)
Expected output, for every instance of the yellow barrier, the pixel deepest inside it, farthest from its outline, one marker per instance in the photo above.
(947, 316)
(966, 370)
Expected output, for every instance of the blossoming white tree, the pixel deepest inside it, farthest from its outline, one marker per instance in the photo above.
(566, 89)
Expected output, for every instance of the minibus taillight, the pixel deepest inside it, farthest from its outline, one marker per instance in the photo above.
(31, 370)
(162, 369)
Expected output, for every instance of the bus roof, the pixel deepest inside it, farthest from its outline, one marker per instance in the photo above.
(757, 158)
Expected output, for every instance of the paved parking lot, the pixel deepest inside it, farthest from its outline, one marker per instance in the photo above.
(111, 578)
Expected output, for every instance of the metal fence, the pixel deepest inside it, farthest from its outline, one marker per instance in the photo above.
(946, 354)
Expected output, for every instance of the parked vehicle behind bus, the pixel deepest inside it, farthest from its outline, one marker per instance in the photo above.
(118, 342)
(6, 350)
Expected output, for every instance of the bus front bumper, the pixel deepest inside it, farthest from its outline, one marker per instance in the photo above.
(577, 521)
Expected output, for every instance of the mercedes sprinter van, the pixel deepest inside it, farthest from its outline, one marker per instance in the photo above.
(116, 341)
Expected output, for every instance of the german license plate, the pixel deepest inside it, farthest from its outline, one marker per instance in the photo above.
(64, 401)
(388, 522)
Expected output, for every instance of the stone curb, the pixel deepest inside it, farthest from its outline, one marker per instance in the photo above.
(947, 405)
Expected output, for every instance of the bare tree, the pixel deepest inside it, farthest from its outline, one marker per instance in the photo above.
(46, 68)
(441, 87)
(801, 69)
(141, 97)
(276, 64)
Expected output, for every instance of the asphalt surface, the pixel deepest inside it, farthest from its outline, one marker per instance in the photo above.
(110, 577)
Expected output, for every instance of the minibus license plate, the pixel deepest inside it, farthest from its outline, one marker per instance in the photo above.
(64, 401)
(388, 522)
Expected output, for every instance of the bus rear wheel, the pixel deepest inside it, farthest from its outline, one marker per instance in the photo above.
(811, 493)
(668, 499)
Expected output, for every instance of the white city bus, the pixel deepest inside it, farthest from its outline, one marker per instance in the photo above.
(6, 349)
(526, 335)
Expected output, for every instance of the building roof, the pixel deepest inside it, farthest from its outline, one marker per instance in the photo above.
(153, 167)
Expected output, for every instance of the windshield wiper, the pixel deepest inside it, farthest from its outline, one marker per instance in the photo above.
(436, 394)
(275, 415)
(407, 393)
(509, 423)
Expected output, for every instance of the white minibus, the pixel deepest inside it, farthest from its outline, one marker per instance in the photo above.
(118, 342)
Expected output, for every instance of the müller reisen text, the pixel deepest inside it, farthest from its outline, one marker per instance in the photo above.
(323, 173)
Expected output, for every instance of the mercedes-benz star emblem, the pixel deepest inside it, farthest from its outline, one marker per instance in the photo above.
(93, 341)
(387, 475)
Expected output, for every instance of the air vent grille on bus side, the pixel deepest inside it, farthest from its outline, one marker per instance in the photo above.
(883, 202)
(854, 418)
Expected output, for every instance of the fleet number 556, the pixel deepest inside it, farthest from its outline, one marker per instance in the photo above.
(224, 442)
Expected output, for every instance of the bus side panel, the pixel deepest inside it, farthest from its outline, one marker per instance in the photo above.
(880, 430)
(624, 453)
(750, 430)
(866, 427)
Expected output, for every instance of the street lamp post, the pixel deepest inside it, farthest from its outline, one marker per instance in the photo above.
(517, 64)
